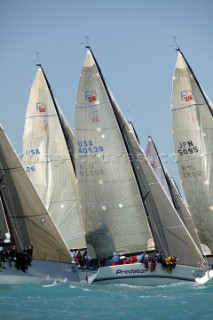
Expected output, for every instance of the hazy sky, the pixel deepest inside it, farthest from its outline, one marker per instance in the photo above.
(132, 41)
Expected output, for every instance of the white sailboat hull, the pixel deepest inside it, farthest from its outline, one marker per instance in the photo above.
(41, 272)
(135, 274)
(206, 279)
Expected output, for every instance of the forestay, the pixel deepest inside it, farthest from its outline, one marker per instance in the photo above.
(192, 126)
(157, 166)
(114, 215)
(48, 153)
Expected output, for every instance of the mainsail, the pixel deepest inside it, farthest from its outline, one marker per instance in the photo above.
(171, 189)
(192, 127)
(29, 221)
(48, 160)
(115, 179)
(114, 214)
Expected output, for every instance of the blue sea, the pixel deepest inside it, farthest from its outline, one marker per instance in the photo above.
(60, 301)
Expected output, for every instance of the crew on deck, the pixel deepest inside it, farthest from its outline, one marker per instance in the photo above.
(150, 262)
(21, 260)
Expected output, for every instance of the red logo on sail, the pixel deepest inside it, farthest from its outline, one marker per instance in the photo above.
(40, 107)
(91, 96)
(186, 95)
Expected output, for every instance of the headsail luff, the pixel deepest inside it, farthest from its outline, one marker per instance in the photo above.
(68, 135)
(48, 153)
(171, 189)
(170, 233)
(192, 128)
(157, 166)
(31, 223)
(114, 215)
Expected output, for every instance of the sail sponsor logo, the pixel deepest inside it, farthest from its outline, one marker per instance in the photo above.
(131, 271)
(88, 147)
(40, 107)
(186, 95)
(44, 125)
(153, 164)
(67, 268)
(90, 96)
(187, 148)
(189, 171)
(87, 173)
(89, 169)
(95, 116)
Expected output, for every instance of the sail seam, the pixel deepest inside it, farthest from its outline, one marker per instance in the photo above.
(191, 105)
(91, 106)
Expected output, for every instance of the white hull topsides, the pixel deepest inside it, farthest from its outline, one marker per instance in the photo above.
(136, 274)
(41, 272)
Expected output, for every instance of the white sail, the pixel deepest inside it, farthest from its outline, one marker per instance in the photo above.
(114, 215)
(170, 233)
(171, 189)
(69, 137)
(155, 162)
(192, 127)
(31, 223)
(48, 162)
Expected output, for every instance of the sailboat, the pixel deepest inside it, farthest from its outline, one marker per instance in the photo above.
(192, 128)
(29, 224)
(125, 209)
(171, 189)
(48, 158)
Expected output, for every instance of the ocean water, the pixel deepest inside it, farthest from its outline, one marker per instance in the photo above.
(60, 301)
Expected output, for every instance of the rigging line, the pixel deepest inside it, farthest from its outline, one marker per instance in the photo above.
(10, 217)
(37, 61)
(128, 115)
(2, 203)
(2, 178)
(86, 42)
(175, 42)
